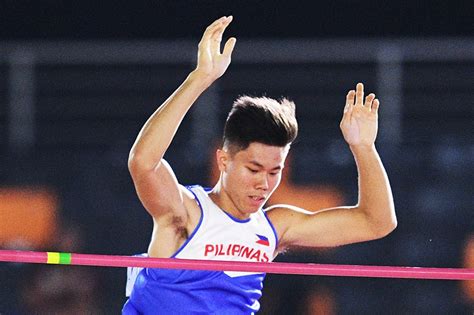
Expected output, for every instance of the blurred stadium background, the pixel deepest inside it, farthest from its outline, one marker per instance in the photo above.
(77, 82)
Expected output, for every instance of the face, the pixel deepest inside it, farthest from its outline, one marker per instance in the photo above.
(249, 177)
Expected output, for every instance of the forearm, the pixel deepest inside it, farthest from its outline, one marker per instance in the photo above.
(160, 129)
(375, 194)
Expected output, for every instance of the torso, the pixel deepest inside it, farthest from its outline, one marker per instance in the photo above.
(216, 236)
(219, 236)
(211, 226)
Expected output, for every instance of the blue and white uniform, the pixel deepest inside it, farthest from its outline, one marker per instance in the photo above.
(218, 236)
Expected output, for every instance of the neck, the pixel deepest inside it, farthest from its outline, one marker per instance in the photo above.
(219, 196)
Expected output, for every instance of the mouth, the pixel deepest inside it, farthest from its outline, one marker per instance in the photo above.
(257, 200)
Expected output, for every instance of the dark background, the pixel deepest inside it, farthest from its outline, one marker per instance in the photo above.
(88, 19)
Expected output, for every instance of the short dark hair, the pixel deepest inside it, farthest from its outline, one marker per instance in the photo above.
(260, 119)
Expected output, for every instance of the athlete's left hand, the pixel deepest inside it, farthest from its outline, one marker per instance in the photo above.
(359, 122)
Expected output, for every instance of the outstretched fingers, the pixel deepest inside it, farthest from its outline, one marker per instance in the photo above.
(359, 94)
(368, 101)
(218, 31)
(229, 47)
(346, 117)
(349, 101)
(210, 30)
(375, 106)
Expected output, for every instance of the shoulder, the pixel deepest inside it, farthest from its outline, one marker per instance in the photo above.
(282, 216)
(196, 189)
(195, 193)
(191, 201)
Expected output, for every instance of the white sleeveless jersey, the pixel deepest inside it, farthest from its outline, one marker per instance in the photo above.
(219, 236)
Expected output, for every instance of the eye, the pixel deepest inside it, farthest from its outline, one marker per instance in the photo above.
(252, 170)
(274, 173)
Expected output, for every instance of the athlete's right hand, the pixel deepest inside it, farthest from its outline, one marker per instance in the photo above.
(211, 63)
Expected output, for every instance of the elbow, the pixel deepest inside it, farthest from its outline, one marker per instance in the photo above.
(392, 219)
(386, 227)
(134, 162)
(383, 226)
(137, 163)
(389, 228)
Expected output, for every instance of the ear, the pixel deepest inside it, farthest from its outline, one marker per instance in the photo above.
(222, 158)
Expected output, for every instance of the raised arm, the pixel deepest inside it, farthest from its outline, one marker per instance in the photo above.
(154, 180)
(374, 215)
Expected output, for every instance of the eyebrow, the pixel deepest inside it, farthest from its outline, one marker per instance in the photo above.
(261, 166)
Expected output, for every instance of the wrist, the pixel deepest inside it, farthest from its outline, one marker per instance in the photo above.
(202, 79)
(362, 148)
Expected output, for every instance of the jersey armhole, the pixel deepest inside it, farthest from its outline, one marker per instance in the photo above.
(273, 229)
(189, 188)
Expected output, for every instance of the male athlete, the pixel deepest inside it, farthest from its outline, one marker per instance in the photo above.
(227, 222)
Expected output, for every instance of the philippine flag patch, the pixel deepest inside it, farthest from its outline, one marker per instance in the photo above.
(262, 240)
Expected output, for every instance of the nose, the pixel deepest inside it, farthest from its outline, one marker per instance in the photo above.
(262, 182)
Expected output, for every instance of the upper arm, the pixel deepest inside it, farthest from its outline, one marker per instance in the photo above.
(159, 190)
(324, 228)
